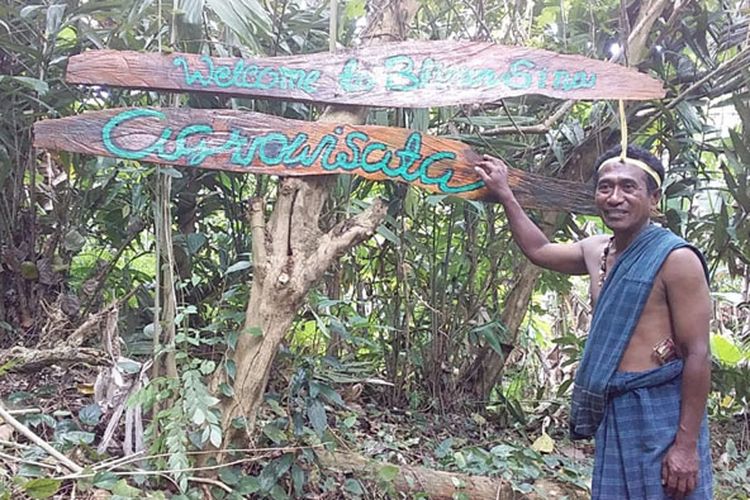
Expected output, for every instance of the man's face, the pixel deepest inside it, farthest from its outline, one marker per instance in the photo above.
(622, 196)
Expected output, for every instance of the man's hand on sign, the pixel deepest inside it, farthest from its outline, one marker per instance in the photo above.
(494, 173)
(679, 470)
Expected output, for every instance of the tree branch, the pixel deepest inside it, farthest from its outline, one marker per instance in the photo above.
(539, 128)
(258, 233)
(343, 236)
(10, 420)
(22, 359)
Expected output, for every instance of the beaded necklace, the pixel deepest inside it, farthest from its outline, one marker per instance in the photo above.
(603, 263)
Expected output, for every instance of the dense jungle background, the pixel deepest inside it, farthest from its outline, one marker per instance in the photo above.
(141, 307)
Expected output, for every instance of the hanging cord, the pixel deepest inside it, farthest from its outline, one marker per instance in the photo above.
(623, 132)
(624, 37)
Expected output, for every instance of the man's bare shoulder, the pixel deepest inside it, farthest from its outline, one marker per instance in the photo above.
(683, 267)
(593, 244)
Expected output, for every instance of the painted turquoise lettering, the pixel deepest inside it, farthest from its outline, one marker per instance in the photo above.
(343, 161)
(400, 76)
(581, 80)
(426, 72)
(223, 77)
(442, 181)
(353, 146)
(205, 150)
(518, 77)
(322, 151)
(251, 76)
(289, 159)
(240, 142)
(235, 143)
(559, 79)
(179, 148)
(272, 151)
(193, 145)
(446, 76)
(291, 77)
(268, 78)
(199, 151)
(309, 81)
(351, 79)
(410, 153)
(250, 71)
(159, 147)
(381, 164)
(466, 78)
(237, 73)
(119, 119)
(246, 158)
(542, 78)
(195, 76)
(486, 78)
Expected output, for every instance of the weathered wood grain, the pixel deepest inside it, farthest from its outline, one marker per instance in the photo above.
(411, 74)
(261, 144)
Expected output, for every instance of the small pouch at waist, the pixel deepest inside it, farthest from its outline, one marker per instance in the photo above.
(665, 351)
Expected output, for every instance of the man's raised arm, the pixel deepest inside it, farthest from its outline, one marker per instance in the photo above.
(564, 258)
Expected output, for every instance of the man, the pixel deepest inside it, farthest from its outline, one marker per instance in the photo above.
(644, 378)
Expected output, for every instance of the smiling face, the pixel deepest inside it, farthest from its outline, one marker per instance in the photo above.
(622, 197)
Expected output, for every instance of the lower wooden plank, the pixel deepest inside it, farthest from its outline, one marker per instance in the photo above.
(255, 143)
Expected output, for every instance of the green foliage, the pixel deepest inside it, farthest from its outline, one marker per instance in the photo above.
(732, 471)
(415, 313)
(41, 487)
(520, 465)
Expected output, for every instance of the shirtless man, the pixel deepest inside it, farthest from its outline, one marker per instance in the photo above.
(672, 329)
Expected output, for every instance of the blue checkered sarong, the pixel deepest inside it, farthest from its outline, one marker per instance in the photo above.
(639, 426)
(616, 315)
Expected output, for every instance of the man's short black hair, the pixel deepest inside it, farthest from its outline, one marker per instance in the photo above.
(637, 153)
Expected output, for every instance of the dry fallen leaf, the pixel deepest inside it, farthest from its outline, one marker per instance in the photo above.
(87, 389)
(544, 444)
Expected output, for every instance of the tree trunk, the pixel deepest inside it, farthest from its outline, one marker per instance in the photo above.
(291, 253)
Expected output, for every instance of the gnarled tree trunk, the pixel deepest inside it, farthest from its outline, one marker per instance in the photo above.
(291, 253)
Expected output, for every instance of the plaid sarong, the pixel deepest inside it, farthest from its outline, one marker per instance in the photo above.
(639, 426)
(616, 315)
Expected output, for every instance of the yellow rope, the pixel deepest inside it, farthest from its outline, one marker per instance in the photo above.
(624, 152)
(623, 132)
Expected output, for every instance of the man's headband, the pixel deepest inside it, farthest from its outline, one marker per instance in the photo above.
(636, 163)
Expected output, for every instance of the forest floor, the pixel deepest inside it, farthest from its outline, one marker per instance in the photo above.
(470, 443)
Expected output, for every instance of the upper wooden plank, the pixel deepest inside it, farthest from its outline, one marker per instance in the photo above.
(408, 74)
(262, 144)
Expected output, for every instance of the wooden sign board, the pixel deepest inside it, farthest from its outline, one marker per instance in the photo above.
(260, 144)
(409, 74)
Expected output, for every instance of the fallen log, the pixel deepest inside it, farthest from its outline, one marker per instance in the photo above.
(412, 479)
(21, 359)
